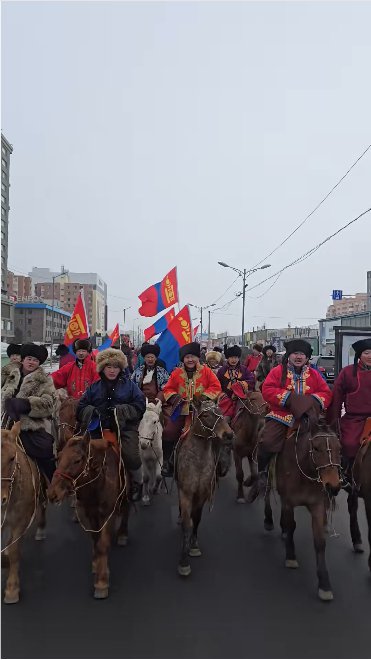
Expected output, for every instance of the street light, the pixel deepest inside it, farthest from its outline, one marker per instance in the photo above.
(243, 273)
(64, 272)
(124, 310)
(201, 309)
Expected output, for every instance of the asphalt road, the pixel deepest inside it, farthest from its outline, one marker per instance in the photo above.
(239, 602)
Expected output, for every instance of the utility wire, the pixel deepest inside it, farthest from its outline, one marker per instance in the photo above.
(315, 209)
(223, 294)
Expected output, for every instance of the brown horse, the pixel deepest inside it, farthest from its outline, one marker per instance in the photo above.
(248, 426)
(307, 473)
(92, 470)
(22, 500)
(200, 455)
(66, 423)
(361, 487)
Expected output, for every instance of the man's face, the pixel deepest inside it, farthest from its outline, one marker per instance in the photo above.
(15, 358)
(30, 364)
(366, 357)
(111, 371)
(233, 361)
(269, 352)
(212, 363)
(297, 359)
(81, 354)
(255, 352)
(191, 361)
(150, 360)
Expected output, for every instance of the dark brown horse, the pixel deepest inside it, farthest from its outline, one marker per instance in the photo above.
(66, 422)
(307, 474)
(23, 500)
(92, 470)
(208, 442)
(248, 426)
(361, 487)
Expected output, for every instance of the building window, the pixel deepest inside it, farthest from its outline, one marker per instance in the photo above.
(3, 199)
(3, 150)
(2, 211)
(3, 187)
(3, 162)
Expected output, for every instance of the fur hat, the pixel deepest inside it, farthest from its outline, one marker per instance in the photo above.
(358, 347)
(269, 347)
(13, 349)
(34, 350)
(83, 345)
(111, 355)
(62, 350)
(150, 349)
(214, 355)
(190, 349)
(218, 349)
(298, 346)
(233, 351)
(258, 347)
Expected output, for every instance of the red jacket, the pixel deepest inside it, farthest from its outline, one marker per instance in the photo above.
(203, 383)
(309, 382)
(252, 362)
(66, 359)
(74, 378)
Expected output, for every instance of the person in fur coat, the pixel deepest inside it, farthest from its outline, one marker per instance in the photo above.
(10, 370)
(30, 397)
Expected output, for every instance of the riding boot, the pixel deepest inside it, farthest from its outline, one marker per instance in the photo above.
(167, 469)
(264, 458)
(347, 465)
(136, 485)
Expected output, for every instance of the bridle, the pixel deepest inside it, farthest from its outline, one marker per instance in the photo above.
(63, 426)
(318, 468)
(209, 408)
(83, 473)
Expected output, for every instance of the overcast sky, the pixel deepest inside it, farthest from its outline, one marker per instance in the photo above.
(148, 135)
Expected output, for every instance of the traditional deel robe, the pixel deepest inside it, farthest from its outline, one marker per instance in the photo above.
(150, 381)
(235, 382)
(308, 382)
(354, 391)
(203, 382)
(76, 377)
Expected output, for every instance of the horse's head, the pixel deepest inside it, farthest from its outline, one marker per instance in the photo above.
(72, 463)
(325, 453)
(150, 424)
(67, 420)
(211, 420)
(8, 460)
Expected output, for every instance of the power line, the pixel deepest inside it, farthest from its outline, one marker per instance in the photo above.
(316, 208)
(227, 289)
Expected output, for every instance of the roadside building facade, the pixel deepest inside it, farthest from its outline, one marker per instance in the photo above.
(34, 321)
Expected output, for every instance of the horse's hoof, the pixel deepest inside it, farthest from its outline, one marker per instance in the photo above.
(122, 540)
(268, 525)
(101, 593)
(253, 493)
(146, 500)
(195, 552)
(291, 563)
(11, 599)
(325, 595)
(248, 482)
(184, 571)
(40, 534)
(358, 548)
(241, 500)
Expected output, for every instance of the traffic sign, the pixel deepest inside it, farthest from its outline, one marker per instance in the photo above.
(337, 294)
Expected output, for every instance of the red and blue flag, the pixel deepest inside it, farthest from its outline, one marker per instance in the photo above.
(160, 296)
(111, 340)
(177, 334)
(159, 326)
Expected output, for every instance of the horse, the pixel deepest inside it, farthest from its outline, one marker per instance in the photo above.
(248, 426)
(66, 422)
(93, 471)
(308, 474)
(361, 487)
(150, 448)
(22, 500)
(208, 441)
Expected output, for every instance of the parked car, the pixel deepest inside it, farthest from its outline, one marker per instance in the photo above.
(325, 364)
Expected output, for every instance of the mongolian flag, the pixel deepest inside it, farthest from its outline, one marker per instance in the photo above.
(78, 325)
(195, 330)
(110, 341)
(177, 334)
(160, 296)
(159, 326)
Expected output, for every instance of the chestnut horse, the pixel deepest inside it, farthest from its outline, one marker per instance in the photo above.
(22, 500)
(361, 487)
(94, 473)
(308, 474)
(208, 440)
(66, 423)
(248, 426)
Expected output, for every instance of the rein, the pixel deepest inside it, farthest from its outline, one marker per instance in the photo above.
(206, 428)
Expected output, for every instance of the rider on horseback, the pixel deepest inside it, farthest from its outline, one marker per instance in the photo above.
(292, 389)
(76, 376)
(191, 381)
(266, 364)
(114, 403)
(236, 380)
(150, 377)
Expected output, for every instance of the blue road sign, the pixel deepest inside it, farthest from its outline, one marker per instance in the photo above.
(337, 294)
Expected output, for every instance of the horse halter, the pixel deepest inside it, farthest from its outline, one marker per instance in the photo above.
(318, 468)
(210, 408)
(83, 473)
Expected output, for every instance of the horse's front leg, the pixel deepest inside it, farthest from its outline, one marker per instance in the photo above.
(367, 498)
(41, 517)
(123, 533)
(239, 476)
(324, 586)
(102, 545)
(353, 519)
(268, 514)
(185, 506)
(253, 473)
(288, 525)
(12, 584)
(146, 499)
(196, 518)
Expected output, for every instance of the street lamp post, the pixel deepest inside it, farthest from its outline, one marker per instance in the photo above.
(201, 317)
(64, 272)
(124, 310)
(243, 273)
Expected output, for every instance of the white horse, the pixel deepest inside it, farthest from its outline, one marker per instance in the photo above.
(150, 447)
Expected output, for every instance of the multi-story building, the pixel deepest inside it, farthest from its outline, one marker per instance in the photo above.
(347, 305)
(19, 286)
(327, 328)
(7, 305)
(66, 291)
(369, 290)
(34, 322)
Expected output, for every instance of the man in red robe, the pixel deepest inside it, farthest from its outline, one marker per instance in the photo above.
(353, 389)
(292, 389)
(76, 376)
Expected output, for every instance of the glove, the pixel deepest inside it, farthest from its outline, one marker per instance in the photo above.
(85, 417)
(299, 404)
(126, 413)
(17, 407)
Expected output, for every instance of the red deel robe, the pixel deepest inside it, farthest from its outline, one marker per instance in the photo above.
(204, 382)
(74, 379)
(355, 392)
(309, 383)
